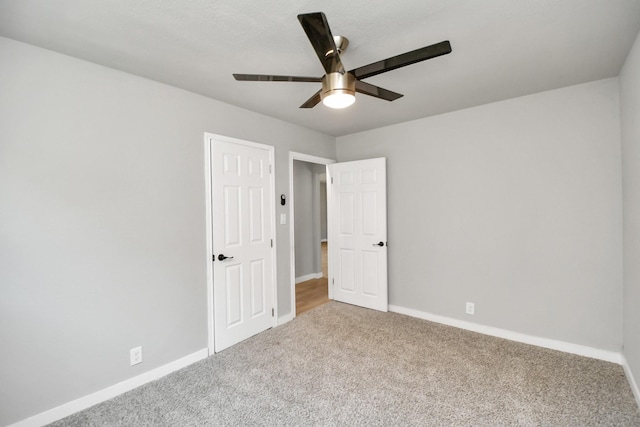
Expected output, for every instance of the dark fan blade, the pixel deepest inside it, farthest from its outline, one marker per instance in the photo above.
(269, 78)
(319, 34)
(378, 92)
(408, 58)
(312, 102)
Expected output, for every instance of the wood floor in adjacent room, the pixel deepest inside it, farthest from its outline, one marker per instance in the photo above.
(311, 294)
(314, 292)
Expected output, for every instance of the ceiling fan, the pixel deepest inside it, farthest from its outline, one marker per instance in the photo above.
(339, 86)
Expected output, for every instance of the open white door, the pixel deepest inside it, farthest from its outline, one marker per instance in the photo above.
(358, 232)
(242, 227)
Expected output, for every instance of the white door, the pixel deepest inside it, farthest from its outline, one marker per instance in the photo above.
(242, 216)
(358, 232)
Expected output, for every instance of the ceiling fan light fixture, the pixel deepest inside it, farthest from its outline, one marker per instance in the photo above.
(339, 99)
(338, 90)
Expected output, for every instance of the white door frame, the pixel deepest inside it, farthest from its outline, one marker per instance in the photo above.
(208, 140)
(292, 247)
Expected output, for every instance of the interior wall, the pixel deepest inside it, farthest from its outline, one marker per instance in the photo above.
(323, 209)
(515, 206)
(102, 222)
(630, 132)
(318, 171)
(303, 211)
(306, 187)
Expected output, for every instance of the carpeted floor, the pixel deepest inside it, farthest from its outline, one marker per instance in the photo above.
(343, 365)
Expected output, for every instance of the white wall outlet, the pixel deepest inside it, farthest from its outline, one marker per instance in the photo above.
(471, 308)
(135, 356)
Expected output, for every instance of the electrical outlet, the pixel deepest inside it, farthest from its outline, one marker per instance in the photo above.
(471, 308)
(135, 356)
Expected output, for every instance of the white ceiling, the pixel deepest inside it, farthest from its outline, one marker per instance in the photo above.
(501, 48)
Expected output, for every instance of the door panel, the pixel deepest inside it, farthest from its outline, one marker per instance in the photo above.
(232, 216)
(233, 277)
(242, 215)
(257, 288)
(358, 224)
(369, 214)
(346, 271)
(256, 215)
(370, 261)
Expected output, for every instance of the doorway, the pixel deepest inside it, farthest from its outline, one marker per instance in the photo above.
(310, 219)
(309, 232)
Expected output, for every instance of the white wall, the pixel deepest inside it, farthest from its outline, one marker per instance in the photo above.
(630, 131)
(102, 222)
(515, 206)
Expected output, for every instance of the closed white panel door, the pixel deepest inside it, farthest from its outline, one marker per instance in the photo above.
(243, 284)
(358, 232)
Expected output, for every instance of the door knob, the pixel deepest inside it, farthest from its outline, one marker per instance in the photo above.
(378, 244)
(221, 257)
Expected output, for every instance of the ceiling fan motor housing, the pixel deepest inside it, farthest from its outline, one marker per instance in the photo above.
(337, 83)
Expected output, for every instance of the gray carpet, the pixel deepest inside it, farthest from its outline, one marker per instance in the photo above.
(344, 365)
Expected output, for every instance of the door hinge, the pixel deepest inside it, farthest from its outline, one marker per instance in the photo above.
(273, 312)
(332, 180)
(213, 257)
(271, 242)
(270, 169)
(333, 281)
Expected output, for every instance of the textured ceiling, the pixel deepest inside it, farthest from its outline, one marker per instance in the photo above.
(501, 48)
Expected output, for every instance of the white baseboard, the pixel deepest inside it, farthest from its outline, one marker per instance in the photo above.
(323, 240)
(284, 319)
(581, 350)
(100, 396)
(632, 381)
(308, 277)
